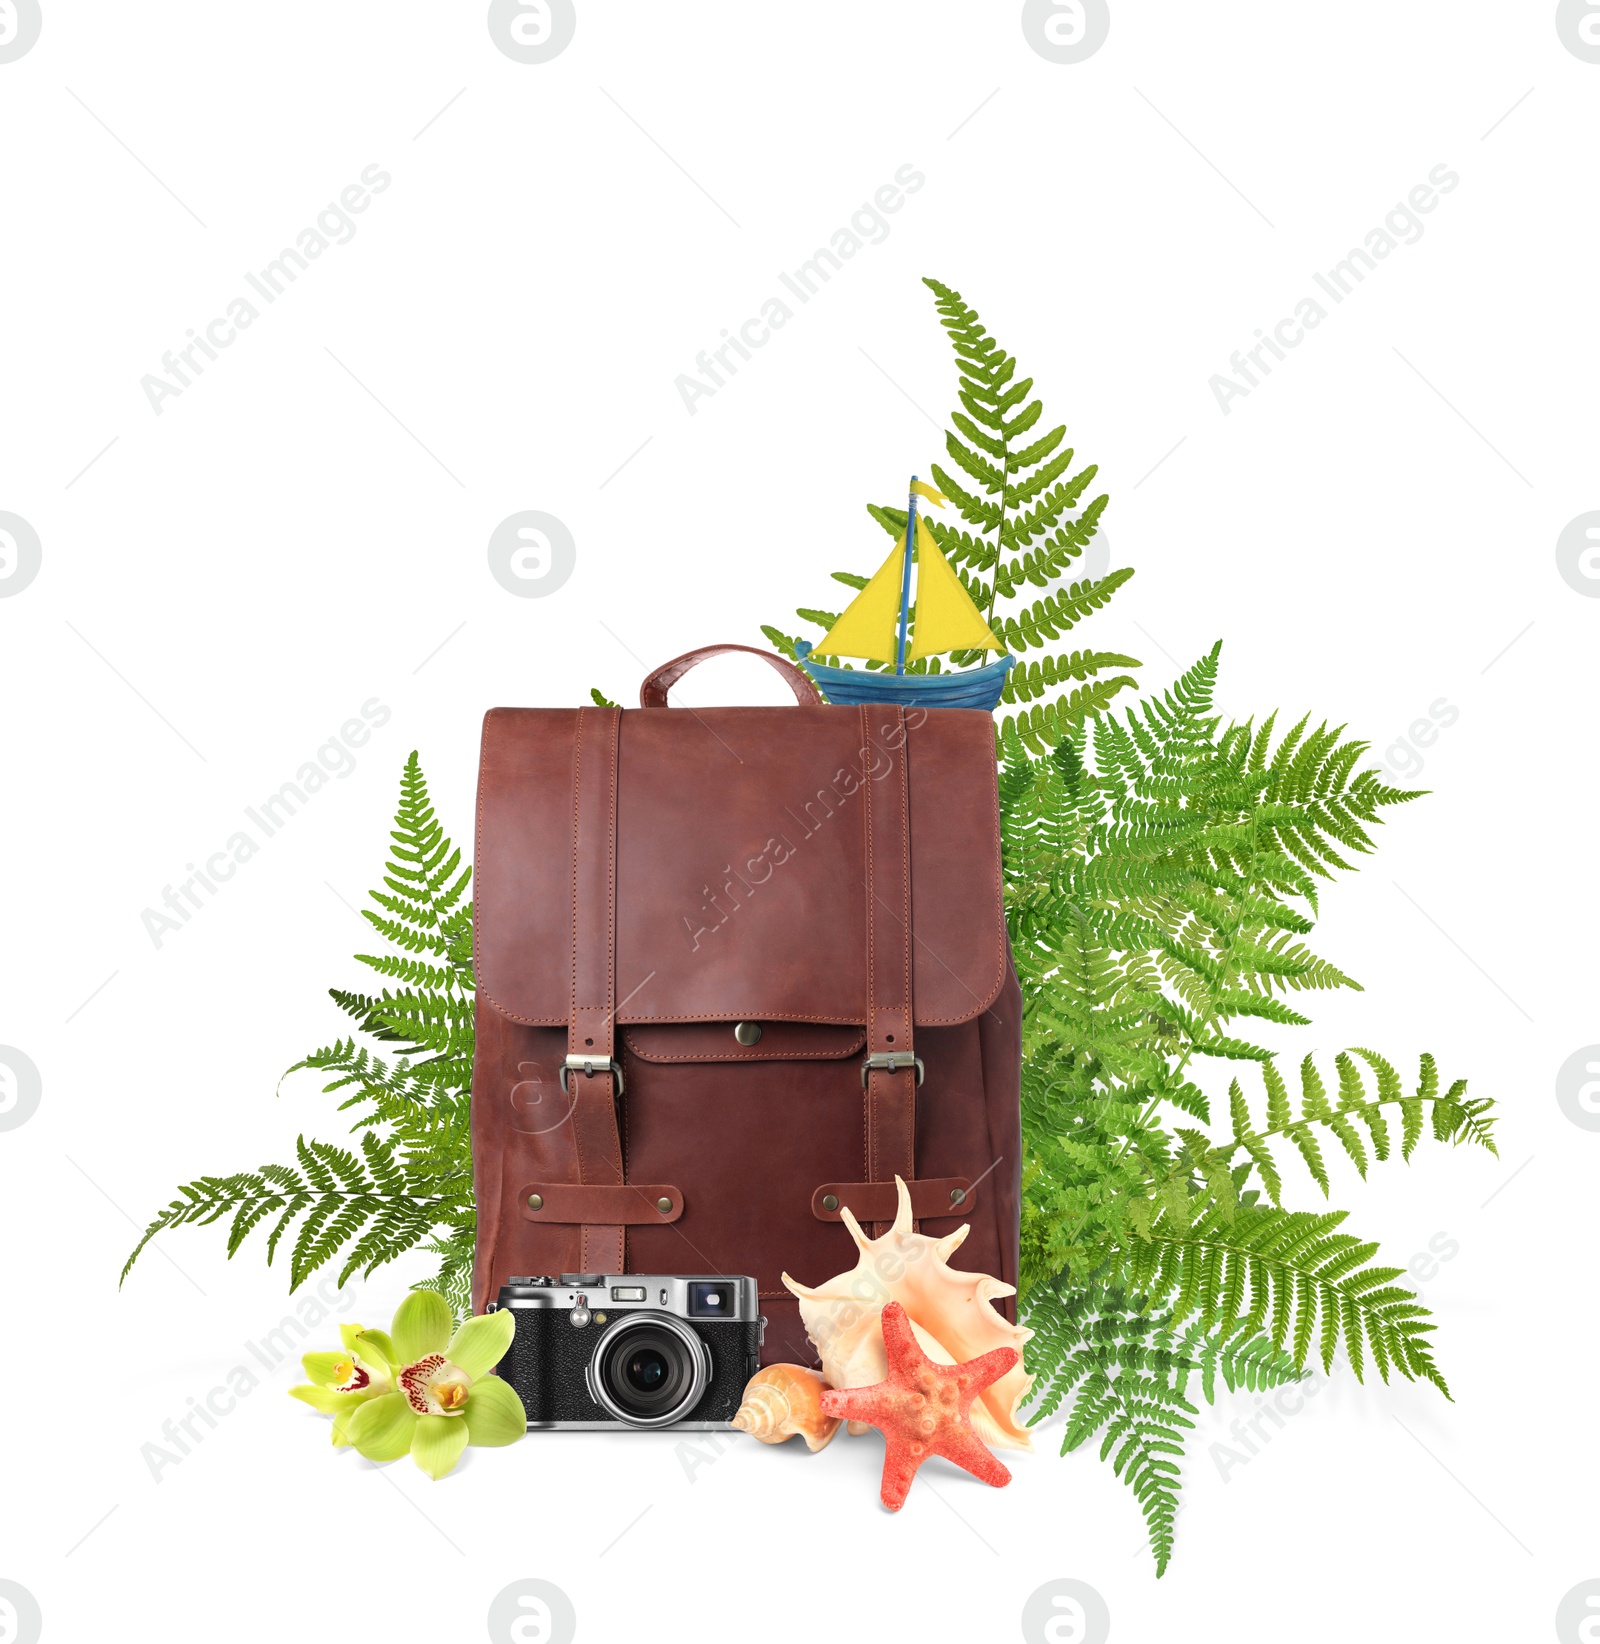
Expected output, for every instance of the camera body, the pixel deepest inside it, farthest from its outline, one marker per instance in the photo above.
(602, 1351)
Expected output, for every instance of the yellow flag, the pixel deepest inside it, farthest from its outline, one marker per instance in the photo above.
(947, 620)
(870, 625)
(936, 497)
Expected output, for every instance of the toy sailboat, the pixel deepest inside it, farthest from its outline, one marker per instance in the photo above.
(947, 620)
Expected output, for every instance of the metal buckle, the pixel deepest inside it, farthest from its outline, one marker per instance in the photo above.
(890, 1061)
(588, 1066)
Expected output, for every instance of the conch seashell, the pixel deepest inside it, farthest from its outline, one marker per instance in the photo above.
(949, 1311)
(782, 1400)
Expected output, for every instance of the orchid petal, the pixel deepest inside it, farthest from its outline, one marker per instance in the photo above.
(329, 1401)
(438, 1443)
(421, 1326)
(373, 1347)
(328, 1369)
(494, 1413)
(383, 1428)
(480, 1344)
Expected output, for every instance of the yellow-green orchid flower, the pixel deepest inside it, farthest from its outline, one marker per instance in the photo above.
(339, 1383)
(436, 1394)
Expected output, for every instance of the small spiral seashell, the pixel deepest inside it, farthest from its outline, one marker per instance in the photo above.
(782, 1400)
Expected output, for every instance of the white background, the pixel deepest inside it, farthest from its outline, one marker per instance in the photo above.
(1369, 530)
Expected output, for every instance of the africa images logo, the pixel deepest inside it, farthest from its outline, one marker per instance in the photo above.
(20, 22)
(20, 553)
(532, 31)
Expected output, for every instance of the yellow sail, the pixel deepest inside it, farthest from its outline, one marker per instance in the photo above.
(870, 624)
(947, 620)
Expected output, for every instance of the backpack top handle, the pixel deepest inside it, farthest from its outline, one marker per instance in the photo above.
(653, 692)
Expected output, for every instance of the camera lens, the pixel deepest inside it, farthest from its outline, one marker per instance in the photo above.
(649, 1370)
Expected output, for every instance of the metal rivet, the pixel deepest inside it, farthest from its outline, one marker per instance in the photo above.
(748, 1033)
(535, 1201)
(830, 1201)
(663, 1205)
(957, 1194)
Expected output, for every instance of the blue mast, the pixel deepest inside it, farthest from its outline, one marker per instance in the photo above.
(905, 579)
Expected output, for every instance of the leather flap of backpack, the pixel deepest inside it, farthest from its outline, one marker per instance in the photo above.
(740, 865)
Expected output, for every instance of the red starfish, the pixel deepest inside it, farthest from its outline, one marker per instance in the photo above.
(921, 1408)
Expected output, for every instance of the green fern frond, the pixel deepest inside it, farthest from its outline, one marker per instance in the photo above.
(1122, 1375)
(369, 1209)
(1291, 1275)
(1024, 521)
(354, 1064)
(1161, 869)
(408, 1182)
(453, 1281)
(415, 973)
(1033, 679)
(425, 877)
(1250, 1364)
(1049, 618)
(1455, 1119)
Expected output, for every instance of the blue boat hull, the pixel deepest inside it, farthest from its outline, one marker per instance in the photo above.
(968, 688)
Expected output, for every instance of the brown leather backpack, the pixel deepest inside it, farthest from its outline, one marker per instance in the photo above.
(738, 968)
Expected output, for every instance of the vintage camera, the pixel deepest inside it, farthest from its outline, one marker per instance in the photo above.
(595, 1350)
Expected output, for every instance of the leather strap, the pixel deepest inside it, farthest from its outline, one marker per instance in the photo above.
(591, 1021)
(653, 693)
(891, 1095)
(629, 1204)
(877, 1201)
